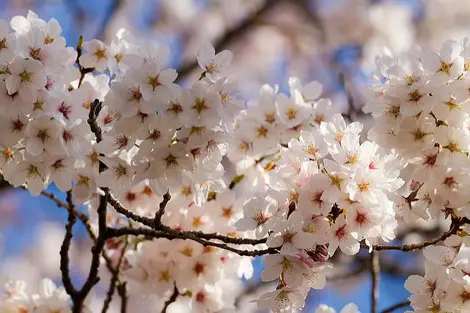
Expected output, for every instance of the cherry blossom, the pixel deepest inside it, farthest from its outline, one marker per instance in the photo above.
(184, 184)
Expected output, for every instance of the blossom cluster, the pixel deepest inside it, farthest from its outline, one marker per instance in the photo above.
(313, 187)
(285, 174)
(42, 121)
(445, 286)
(15, 297)
(303, 180)
(420, 107)
(157, 137)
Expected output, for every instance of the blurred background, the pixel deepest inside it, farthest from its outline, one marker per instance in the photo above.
(331, 41)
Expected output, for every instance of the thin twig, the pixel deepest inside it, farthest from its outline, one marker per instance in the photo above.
(71, 208)
(456, 224)
(82, 216)
(232, 34)
(375, 277)
(83, 71)
(171, 300)
(157, 221)
(114, 281)
(397, 306)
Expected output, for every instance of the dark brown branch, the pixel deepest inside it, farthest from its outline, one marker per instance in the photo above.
(114, 281)
(95, 109)
(70, 207)
(122, 291)
(171, 300)
(157, 221)
(375, 278)
(81, 216)
(110, 293)
(456, 224)
(173, 234)
(65, 248)
(150, 223)
(233, 34)
(100, 241)
(397, 306)
(96, 250)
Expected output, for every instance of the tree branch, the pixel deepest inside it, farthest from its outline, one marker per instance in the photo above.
(157, 221)
(150, 223)
(375, 277)
(173, 234)
(114, 281)
(83, 71)
(396, 306)
(95, 109)
(455, 226)
(122, 291)
(81, 216)
(65, 248)
(171, 300)
(232, 34)
(100, 241)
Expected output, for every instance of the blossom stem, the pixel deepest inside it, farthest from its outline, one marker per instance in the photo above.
(172, 299)
(83, 71)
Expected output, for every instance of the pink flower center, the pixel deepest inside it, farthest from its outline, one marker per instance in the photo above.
(341, 232)
(201, 297)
